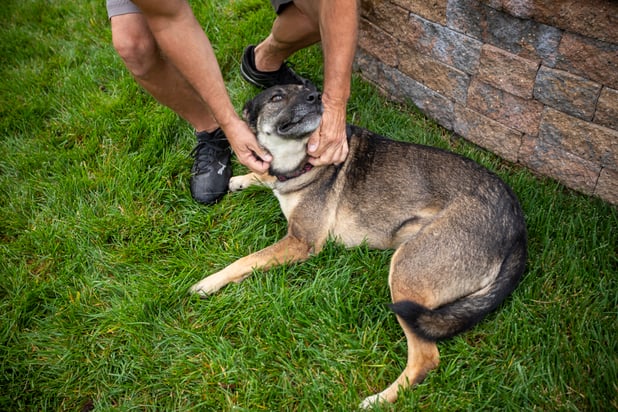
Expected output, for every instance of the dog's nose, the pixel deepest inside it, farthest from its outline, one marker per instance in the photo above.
(313, 97)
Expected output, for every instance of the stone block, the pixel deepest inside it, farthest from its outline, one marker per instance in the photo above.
(487, 133)
(432, 104)
(443, 44)
(592, 59)
(379, 43)
(494, 4)
(369, 67)
(522, 9)
(566, 92)
(554, 161)
(586, 140)
(466, 16)
(524, 38)
(442, 78)
(593, 18)
(434, 10)
(386, 15)
(607, 186)
(399, 87)
(607, 108)
(518, 113)
(507, 72)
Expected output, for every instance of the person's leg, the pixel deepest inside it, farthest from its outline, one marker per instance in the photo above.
(140, 53)
(136, 46)
(295, 28)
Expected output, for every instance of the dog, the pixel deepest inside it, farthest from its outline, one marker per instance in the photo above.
(457, 230)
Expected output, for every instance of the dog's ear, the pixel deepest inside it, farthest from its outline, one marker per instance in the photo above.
(249, 114)
(309, 85)
(246, 110)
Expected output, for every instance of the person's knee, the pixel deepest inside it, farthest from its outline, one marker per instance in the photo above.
(137, 48)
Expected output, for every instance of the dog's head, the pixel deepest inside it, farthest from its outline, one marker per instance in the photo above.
(283, 118)
(291, 111)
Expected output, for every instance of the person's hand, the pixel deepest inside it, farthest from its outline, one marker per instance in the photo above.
(246, 147)
(329, 143)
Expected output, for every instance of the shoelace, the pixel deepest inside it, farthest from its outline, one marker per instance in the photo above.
(205, 154)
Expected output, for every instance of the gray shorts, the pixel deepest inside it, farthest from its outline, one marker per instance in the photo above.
(118, 7)
(279, 5)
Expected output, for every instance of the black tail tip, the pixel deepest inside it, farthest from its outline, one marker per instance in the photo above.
(438, 324)
(408, 309)
(411, 313)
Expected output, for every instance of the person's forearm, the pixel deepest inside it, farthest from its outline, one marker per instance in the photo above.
(187, 47)
(339, 33)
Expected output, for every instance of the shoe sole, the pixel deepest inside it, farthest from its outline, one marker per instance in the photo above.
(248, 78)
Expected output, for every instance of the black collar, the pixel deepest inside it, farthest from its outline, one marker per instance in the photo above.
(307, 167)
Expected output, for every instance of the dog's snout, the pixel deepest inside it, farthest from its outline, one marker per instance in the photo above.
(313, 97)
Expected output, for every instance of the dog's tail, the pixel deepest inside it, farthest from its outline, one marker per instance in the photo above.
(460, 315)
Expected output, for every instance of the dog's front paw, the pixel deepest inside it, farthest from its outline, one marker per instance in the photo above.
(207, 286)
(238, 183)
(371, 401)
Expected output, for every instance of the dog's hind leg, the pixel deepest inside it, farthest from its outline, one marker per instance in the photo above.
(423, 356)
(287, 250)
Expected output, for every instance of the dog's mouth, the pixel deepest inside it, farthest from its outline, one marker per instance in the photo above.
(301, 123)
(286, 127)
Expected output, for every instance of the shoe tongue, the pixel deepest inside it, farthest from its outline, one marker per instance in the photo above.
(215, 138)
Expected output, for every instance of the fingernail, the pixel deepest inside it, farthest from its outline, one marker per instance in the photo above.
(312, 147)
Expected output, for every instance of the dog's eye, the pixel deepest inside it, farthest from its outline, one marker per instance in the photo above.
(276, 98)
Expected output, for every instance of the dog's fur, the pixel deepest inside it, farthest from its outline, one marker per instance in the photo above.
(458, 231)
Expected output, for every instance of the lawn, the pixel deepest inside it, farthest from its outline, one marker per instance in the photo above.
(100, 241)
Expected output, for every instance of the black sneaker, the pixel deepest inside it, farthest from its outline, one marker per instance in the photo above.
(212, 167)
(285, 75)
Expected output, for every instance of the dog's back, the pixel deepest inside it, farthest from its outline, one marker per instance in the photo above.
(392, 185)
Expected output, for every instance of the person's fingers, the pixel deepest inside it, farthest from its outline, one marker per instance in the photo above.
(314, 143)
(328, 144)
(247, 149)
(261, 153)
(335, 156)
(254, 162)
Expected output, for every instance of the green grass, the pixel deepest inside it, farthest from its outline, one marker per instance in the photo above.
(100, 240)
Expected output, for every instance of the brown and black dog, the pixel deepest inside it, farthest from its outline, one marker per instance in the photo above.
(457, 230)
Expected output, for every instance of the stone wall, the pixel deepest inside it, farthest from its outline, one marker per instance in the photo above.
(534, 81)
